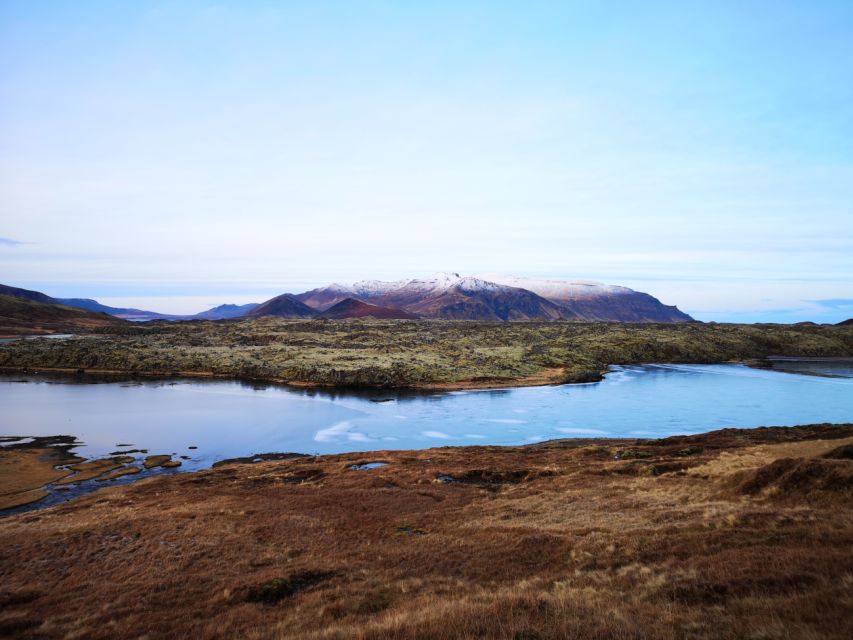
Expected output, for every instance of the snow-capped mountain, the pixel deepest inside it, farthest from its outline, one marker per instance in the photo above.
(436, 282)
(453, 296)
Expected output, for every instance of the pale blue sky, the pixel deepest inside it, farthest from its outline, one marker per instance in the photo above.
(182, 154)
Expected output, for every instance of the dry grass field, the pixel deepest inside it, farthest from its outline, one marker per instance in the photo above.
(731, 534)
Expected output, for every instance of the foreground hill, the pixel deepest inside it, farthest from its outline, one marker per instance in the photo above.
(729, 534)
(352, 308)
(23, 316)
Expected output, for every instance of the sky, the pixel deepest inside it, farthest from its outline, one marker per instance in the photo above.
(179, 154)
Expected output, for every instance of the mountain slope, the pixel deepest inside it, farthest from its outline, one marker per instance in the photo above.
(283, 306)
(474, 299)
(26, 294)
(323, 298)
(19, 315)
(591, 301)
(352, 308)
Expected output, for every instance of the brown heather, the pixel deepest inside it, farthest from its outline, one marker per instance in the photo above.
(731, 534)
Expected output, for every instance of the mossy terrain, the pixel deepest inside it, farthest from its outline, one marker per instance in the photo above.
(416, 353)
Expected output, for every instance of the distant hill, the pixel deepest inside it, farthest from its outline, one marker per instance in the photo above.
(226, 311)
(119, 312)
(352, 308)
(283, 306)
(88, 304)
(222, 312)
(845, 323)
(23, 315)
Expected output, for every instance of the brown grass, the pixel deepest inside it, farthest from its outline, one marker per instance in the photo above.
(614, 539)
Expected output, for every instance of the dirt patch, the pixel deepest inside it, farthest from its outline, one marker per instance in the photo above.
(492, 477)
(844, 452)
(277, 589)
(788, 478)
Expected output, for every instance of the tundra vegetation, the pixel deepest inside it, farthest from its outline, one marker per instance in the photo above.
(418, 353)
(730, 534)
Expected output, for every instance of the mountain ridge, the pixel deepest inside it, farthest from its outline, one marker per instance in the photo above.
(507, 298)
(443, 295)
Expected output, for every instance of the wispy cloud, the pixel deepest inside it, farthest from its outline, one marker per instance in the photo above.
(8, 242)
(836, 303)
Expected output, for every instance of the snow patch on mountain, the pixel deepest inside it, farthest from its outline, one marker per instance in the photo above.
(435, 283)
(337, 288)
(471, 285)
(368, 288)
(561, 289)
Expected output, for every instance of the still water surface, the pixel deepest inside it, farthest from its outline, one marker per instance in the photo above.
(230, 419)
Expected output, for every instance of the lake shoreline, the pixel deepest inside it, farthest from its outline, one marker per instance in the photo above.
(548, 377)
(553, 376)
(33, 467)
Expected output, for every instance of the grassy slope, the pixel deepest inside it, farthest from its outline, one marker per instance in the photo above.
(732, 534)
(419, 353)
